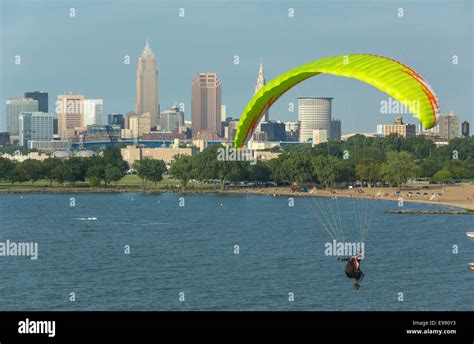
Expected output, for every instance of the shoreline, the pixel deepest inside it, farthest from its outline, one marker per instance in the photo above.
(459, 202)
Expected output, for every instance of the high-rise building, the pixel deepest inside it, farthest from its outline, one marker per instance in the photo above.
(15, 106)
(171, 119)
(37, 126)
(260, 84)
(314, 113)
(4, 139)
(231, 129)
(94, 112)
(206, 103)
(116, 119)
(449, 126)
(41, 97)
(465, 129)
(147, 86)
(400, 128)
(140, 124)
(274, 131)
(335, 129)
(70, 115)
(223, 113)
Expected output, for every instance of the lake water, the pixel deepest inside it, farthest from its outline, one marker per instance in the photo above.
(190, 250)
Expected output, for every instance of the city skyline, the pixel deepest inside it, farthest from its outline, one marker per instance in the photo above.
(360, 111)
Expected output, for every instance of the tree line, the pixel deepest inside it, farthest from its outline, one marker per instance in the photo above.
(393, 160)
(104, 168)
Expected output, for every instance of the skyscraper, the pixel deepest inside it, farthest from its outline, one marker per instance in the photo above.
(36, 126)
(314, 113)
(206, 103)
(260, 84)
(171, 119)
(116, 119)
(147, 85)
(94, 112)
(41, 97)
(15, 107)
(70, 109)
(449, 126)
(335, 129)
(465, 129)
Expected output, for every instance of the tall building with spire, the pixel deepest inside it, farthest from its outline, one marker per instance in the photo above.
(147, 86)
(260, 84)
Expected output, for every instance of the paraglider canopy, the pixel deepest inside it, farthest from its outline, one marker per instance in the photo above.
(390, 76)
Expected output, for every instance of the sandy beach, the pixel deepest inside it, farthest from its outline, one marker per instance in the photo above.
(458, 195)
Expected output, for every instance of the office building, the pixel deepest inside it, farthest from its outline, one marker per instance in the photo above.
(116, 119)
(172, 119)
(36, 126)
(319, 136)
(449, 126)
(465, 129)
(140, 124)
(314, 113)
(147, 100)
(94, 112)
(41, 97)
(206, 104)
(400, 128)
(70, 115)
(15, 106)
(4, 139)
(274, 131)
(335, 129)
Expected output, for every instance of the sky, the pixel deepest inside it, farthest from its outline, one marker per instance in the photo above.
(85, 54)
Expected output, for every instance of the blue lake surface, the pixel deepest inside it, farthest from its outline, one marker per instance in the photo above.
(190, 249)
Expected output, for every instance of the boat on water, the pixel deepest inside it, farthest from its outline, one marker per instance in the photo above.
(470, 234)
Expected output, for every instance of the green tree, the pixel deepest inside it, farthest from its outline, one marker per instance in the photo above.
(182, 169)
(442, 176)
(158, 167)
(429, 166)
(58, 173)
(17, 174)
(33, 169)
(6, 166)
(458, 169)
(325, 168)
(112, 174)
(150, 170)
(259, 172)
(48, 166)
(95, 174)
(399, 168)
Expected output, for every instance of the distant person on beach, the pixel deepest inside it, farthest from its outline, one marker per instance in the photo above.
(353, 268)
